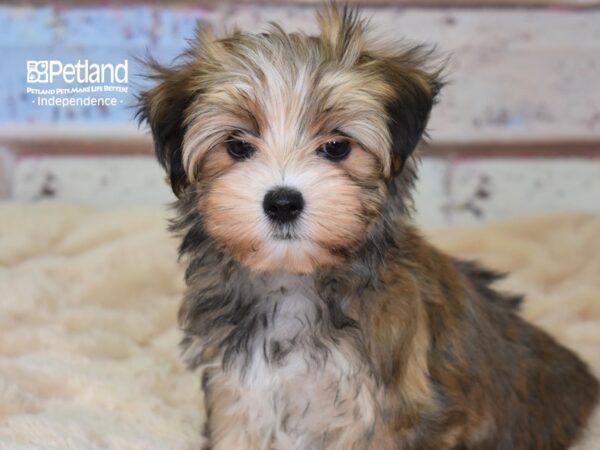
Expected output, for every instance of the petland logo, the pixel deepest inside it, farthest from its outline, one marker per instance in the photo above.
(49, 71)
(82, 84)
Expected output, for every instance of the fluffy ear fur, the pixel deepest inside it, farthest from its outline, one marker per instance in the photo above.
(413, 88)
(163, 108)
(414, 92)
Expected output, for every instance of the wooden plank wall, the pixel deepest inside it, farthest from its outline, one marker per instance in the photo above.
(367, 3)
(521, 112)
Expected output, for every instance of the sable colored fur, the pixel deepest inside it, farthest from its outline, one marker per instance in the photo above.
(320, 317)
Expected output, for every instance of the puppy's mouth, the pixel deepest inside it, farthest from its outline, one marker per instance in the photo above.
(284, 233)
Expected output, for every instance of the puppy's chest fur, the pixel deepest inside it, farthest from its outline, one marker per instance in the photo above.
(294, 384)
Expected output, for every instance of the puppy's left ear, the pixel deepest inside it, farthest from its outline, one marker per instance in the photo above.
(414, 91)
(163, 108)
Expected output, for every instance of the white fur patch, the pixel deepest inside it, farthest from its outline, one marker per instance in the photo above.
(307, 399)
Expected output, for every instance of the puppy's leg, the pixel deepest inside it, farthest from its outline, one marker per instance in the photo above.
(228, 427)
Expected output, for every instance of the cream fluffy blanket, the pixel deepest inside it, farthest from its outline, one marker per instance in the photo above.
(88, 301)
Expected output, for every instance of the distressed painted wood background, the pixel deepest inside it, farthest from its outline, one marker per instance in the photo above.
(517, 129)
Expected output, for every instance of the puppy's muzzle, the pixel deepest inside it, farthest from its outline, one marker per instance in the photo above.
(283, 205)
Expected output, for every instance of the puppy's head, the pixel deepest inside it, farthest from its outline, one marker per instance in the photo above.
(290, 143)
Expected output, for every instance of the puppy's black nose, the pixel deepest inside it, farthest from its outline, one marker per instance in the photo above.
(283, 204)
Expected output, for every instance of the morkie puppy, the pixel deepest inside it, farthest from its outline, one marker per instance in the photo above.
(319, 316)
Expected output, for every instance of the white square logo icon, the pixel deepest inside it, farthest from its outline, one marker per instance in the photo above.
(37, 71)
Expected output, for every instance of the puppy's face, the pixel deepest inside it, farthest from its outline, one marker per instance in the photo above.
(289, 142)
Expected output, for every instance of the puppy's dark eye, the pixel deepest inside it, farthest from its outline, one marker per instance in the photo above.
(335, 150)
(239, 150)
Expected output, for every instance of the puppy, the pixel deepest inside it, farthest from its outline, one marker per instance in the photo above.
(319, 316)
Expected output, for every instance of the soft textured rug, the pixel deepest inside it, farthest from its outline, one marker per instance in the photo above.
(88, 300)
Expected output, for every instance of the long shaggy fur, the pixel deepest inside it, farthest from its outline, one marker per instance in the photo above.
(345, 330)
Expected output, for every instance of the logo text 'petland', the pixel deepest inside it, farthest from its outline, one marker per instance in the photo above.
(49, 71)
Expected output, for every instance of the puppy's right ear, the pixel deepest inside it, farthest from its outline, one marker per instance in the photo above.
(163, 107)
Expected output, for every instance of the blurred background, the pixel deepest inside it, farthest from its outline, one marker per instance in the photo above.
(517, 130)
